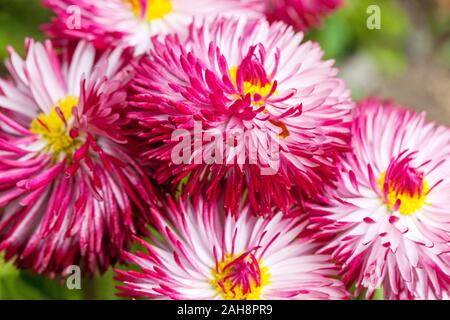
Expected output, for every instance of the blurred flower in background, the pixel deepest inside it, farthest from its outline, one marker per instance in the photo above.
(301, 14)
(133, 22)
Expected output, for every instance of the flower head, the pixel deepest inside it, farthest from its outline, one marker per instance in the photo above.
(205, 253)
(301, 14)
(108, 23)
(256, 111)
(67, 186)
(391, 208)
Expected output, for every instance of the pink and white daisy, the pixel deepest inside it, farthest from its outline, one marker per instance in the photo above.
(246, 77)
(67, 186)
(301, 14)
(205, 253)
(391, 209)
(108, 23)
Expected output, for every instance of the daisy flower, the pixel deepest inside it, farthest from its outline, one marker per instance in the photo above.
(67, 186)
(108, 23)
(301, 14)
(205, 253)
(264, 114)
(391, 209)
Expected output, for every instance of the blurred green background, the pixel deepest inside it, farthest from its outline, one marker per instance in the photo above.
(407, 60)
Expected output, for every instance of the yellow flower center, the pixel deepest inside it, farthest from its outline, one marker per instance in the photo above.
(240, 278)
(156, 9)
(407, 202)
(258, 91)
(53, 127)
(252, 88)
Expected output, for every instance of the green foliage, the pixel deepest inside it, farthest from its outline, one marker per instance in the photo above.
(101, 287)
(20, 19)
(346, 32)
(48, 289)
(15, 284)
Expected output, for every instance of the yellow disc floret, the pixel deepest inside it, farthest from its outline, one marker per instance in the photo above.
(407, 202)
(53, 127)
(252, 88)
(156, 9)
(240, 277)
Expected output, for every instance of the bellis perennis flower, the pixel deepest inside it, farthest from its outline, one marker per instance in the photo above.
(67, 188)
(109, 23)
(391, 210)
(301, 14)
(207, 254)
(250, 78)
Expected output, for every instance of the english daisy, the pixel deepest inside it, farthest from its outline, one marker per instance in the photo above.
(301, 14)
(108, 23)
(290, 112)
(67, 186)
(391, 208)
(208, 254)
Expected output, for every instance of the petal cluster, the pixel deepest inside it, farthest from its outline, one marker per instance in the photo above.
(390, 209)
(253, 79)
(108, 23)
(68, 188)
(301, 14)
(206, 253)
